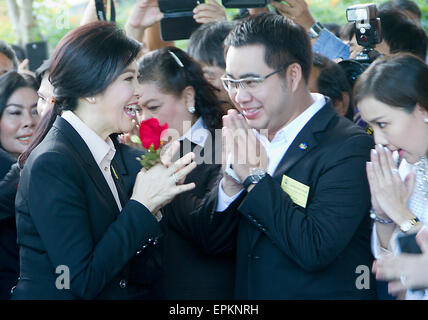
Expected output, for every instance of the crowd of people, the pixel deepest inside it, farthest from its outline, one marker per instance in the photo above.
(281, 173)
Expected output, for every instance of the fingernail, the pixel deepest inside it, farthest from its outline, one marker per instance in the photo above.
(374, 152)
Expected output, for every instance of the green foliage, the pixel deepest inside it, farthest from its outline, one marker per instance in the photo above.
(55, 18)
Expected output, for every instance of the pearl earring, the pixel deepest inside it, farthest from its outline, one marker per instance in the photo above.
(426, 120)
(191, 109)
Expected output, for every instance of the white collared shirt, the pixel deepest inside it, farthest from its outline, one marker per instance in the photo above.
(197, 134)
(102, 151)
(279, 145)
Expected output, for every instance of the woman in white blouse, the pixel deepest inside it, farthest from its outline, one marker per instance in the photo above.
(392, 96)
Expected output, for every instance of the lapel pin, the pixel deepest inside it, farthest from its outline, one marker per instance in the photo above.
(303, 146)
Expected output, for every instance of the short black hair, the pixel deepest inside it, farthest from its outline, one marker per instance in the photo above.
(402, 34)
(406, 5)
(206, 43)
(19, 52)
(284, 41)
(333, 28)
(9, 53)
(332, 80)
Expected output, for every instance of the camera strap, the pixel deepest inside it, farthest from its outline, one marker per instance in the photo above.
(101, 11)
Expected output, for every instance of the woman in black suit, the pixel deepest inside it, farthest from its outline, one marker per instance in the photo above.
(77, 231)
(174, 90)
(18, 119)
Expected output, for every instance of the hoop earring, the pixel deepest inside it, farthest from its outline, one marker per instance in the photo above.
(191, 109)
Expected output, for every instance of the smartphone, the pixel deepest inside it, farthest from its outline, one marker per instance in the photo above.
(407, 243)
(177, 22)
(37, 52)
(178, 26)
(244, 3)
(170, 6)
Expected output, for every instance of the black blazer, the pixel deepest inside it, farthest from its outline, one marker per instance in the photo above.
(189, 272)
(9, 256)
(6, 161)
(66, 215)
(285, 251)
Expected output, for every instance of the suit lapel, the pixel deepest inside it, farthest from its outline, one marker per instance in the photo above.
(83, 152)
(303, 144)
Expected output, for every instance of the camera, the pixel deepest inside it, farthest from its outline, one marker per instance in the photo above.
(367, 29)
(246, 3)
(177, 22)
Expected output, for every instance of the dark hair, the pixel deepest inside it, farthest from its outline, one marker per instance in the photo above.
(84, 63)
(12, 81)
(400, 80)
(406, 5)
(332, 80)
(9, 53)
(333, 28)
(347, 31)
(42, 70)
(206, 43)
(19, 52)
(160, 67)
(402, 34)
(283, 40)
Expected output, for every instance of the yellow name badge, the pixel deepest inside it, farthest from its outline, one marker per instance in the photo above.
(297, 191)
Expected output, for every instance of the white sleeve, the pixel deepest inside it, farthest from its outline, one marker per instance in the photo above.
(377, 249)
(223, 199)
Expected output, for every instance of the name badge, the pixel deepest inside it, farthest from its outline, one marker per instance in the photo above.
(297, 191)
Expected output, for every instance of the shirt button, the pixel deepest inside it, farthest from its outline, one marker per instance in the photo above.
(122, 284)
(138, 252)
(106, 169)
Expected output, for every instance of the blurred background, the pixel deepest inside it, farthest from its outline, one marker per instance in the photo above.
(24, 21)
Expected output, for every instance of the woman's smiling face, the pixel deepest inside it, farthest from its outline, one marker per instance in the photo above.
(19, 120)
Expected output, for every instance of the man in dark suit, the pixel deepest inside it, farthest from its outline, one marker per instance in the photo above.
(295, 199)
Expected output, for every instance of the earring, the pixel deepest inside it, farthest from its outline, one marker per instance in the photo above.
(426, 120)
(191, 109)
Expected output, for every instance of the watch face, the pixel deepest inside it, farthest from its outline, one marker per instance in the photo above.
(406, 226)
(257, 172)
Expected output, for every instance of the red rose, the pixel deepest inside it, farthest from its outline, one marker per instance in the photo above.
(151, 133)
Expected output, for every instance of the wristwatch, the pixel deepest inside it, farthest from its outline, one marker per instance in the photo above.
(409, 224)
(255, 176)
(315, 30)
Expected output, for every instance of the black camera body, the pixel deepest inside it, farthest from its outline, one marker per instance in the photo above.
(246, 3)
(177, 22)
(367, 29)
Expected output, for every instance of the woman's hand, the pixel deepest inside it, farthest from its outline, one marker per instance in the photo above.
(296, 10)
(389, 193)
(144, 14)
(209, 11)
(158, 186)
(405, 271)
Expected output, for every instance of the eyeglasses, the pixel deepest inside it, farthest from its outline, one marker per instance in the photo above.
(231, 85)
